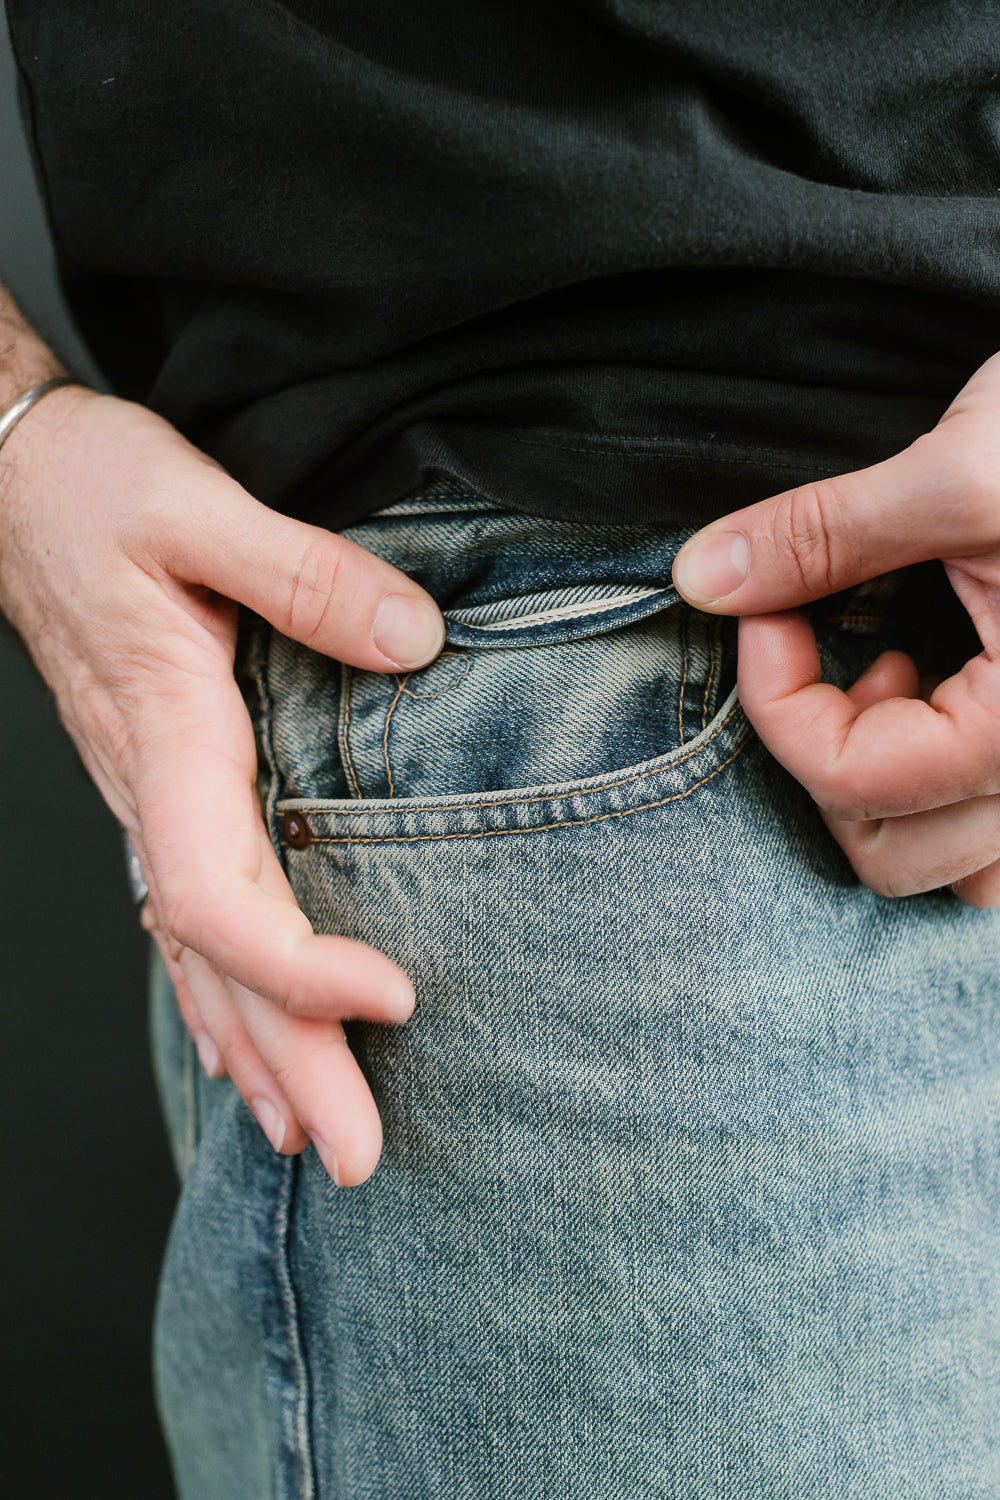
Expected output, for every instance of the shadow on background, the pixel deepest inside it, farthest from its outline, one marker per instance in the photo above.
(87, 1183)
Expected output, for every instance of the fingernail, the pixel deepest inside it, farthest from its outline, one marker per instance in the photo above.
(327, 1157)
(403, 998)
(209, 1054)
(270, 1121)
(708, 568)
(408, 631)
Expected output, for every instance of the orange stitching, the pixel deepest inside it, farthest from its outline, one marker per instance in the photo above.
(684, 678)
(458, 677)
(402, 681)
(346, 680)
(624, 812)
(354, 812)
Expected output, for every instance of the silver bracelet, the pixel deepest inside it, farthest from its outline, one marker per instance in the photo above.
(23, 405)
(133, 872)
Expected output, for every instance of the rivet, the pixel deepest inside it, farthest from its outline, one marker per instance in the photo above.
(295, 831)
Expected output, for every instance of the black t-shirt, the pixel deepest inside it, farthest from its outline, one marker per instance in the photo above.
(629, 259)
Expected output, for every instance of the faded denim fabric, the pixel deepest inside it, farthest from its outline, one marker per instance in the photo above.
(691, 1181)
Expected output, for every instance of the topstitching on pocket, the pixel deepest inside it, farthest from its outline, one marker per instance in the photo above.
(531, 706)
(571, 668)
(303, 822)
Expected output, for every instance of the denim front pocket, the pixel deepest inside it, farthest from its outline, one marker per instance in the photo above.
(527, 710)
(569, 658)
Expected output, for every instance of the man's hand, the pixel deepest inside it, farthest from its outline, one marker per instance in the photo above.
(121, 551)
(907, 775)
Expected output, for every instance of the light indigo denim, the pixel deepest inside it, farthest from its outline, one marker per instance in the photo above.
(691, 1181)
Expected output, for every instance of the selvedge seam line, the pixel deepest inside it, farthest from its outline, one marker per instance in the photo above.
(373, 812)
(547, 617)
(487, 833)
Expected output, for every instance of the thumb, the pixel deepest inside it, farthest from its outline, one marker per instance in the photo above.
(310, 584)
(830, 535)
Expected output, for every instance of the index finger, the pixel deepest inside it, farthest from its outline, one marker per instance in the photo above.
(897, 756)
(218, 886)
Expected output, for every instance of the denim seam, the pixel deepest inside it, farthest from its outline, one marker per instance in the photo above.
(486, 833)
(400, 689)
(684, 677)
(262, 647)
(589, 791)
(445, 503)
(440, 692)
(282, 1230)
(713, 642)
(347, 678)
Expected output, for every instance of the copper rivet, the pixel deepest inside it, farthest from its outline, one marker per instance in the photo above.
(295, 831)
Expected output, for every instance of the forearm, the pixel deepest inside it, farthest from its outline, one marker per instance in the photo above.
(25, 360)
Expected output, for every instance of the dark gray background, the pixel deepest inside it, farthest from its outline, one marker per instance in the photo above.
(87, 1184)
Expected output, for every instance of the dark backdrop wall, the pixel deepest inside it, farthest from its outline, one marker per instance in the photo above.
(86, 1180)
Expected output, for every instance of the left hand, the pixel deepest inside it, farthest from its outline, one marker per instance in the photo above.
(123, 554)
(907, 775)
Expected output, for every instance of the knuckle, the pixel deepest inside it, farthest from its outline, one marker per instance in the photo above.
(808, 529)
(298, 998)
(175, 949)
(836, 796)
(181, 920)
(841, 807)
(152, 535)
(299, 1073)
(288, 1072)
(293, 1002)
(236, 1051)
(311, 591)
(164, 518)
(873, 861)
(884, 882)
(883, 873)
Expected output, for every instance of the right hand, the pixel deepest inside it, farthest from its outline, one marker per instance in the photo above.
(122, 551)
(905, 771)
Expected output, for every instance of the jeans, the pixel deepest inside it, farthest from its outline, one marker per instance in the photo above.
(691, 1179)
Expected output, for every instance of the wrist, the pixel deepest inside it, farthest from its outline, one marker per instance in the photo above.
(31, 368)
(33, 447)
(25, 361)
(23, 405)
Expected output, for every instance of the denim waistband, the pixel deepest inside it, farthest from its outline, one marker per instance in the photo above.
(500, 575)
